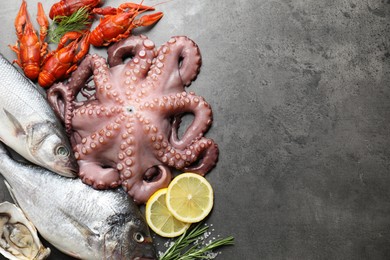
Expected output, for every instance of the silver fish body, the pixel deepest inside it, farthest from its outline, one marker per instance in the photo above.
(78, 220)
(29, 126)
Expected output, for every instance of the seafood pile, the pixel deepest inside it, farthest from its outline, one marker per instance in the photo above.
(111, 122)
(48, 67)
(84, 223)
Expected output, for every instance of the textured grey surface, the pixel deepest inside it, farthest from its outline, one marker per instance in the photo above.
(300, 92)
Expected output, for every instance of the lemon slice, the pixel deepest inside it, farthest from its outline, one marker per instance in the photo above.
(160, 219)
(190, 197)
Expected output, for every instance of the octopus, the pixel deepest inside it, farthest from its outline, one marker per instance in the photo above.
(123, 116)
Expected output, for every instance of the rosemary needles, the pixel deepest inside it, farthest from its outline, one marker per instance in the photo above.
(188, 247)
(78, 22)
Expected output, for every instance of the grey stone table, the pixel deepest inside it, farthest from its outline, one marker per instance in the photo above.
(300, 92)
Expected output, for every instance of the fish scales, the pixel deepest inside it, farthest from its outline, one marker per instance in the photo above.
(78, 220)
(29, 126)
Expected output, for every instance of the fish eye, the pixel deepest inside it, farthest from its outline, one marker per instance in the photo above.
(62, 150)
(138, 237)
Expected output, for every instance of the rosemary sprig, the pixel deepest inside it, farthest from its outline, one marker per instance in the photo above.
(78, 22)
(197, 250)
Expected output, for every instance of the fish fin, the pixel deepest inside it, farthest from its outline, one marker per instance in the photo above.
(15, 122)
(9, 188)
(83, 229)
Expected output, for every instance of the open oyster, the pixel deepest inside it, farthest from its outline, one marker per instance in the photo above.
(18, 236)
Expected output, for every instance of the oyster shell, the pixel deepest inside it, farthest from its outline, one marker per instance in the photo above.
(18, 236)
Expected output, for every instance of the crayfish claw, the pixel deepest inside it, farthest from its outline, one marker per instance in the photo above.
(148, 19)
(21, 19)
(43, 22)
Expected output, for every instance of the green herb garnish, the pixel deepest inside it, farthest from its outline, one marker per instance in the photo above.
(190, 245)
(76, 22)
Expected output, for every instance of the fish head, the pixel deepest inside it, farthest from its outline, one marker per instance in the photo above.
(52, 149)
(130, 240)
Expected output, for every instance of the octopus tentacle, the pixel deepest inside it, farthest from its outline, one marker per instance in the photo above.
(207, 156)
(101, 77)
(141, 51)
(199, 157)
(60, 98)
(179, 104)
(137, 189)
(95, 175)
(178, 64)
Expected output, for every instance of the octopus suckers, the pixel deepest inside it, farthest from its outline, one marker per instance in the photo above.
(148, 44)
(165, 49)
(171, 162)
(127, 173)
(128, 162)
(119, 166)
(172, 40)
(142, 53)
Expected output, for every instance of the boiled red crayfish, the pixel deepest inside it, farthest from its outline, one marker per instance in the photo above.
(29, 48)
(117, 23)
(60, 63)
(68, 7)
